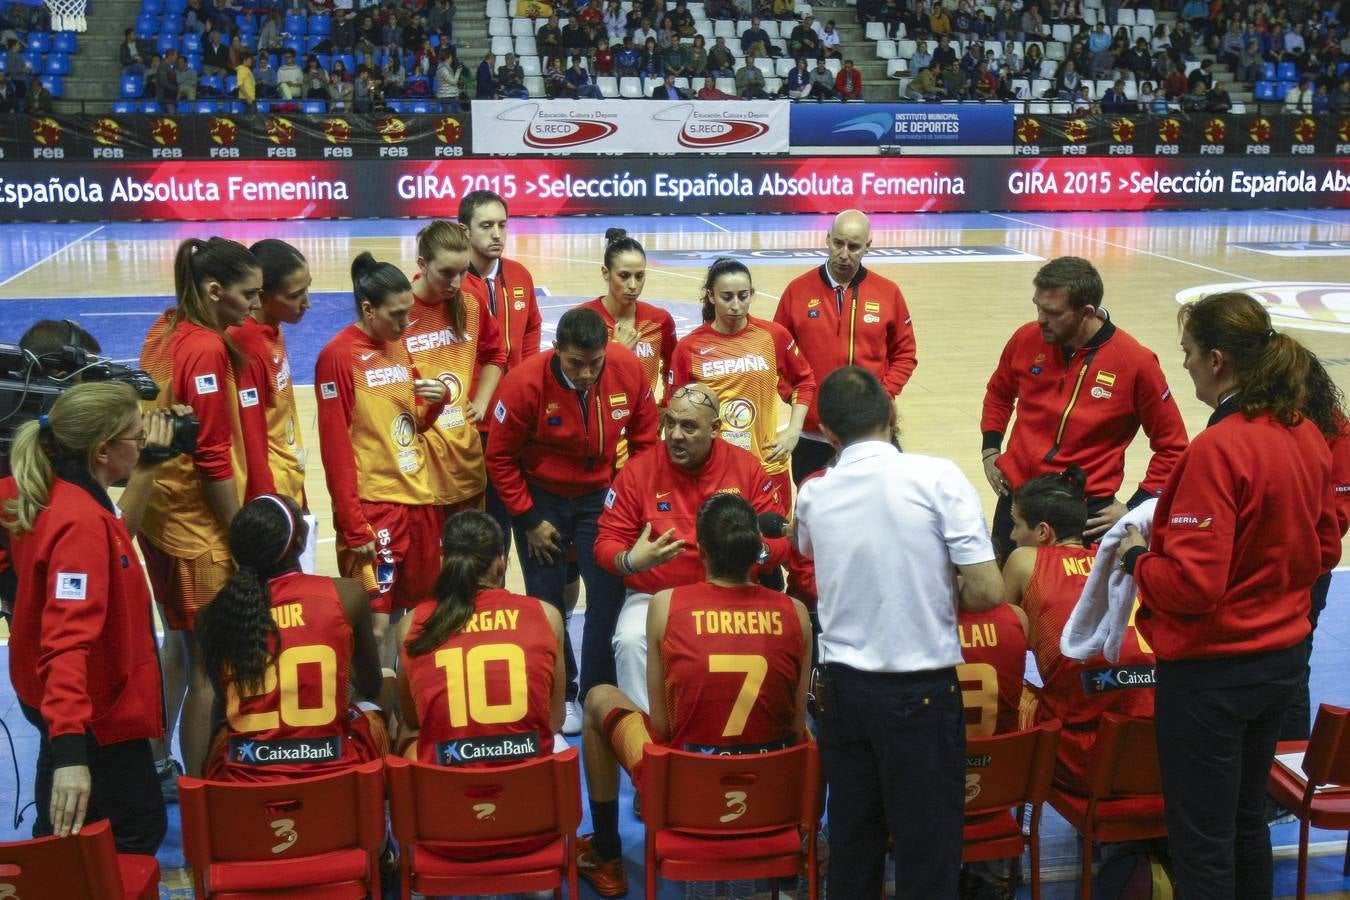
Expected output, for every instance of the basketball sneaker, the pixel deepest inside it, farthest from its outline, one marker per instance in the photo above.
(607, 878)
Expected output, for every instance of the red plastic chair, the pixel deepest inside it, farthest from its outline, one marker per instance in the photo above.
(464, 813)
(304, 839)
(1002, 772)
(1326, 760)
(1124, 799)
(723, 818)
(84, 866)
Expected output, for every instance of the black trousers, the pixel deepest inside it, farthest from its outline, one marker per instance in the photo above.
(1001, 530)
(576, 518)
(125, 790)
(1298, 718)
(1216, 740)
(809, 456)
(894, 751)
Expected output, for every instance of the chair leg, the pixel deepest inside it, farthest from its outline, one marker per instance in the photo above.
(1034, 845)
(1302, 889)
(1086, 891)
(1345, 869)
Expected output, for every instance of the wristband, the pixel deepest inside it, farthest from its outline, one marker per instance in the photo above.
(628, 563)
(988, 453)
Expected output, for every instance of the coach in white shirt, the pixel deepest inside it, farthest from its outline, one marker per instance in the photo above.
(888, 533)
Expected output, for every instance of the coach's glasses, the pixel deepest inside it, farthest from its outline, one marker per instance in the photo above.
(693, 395)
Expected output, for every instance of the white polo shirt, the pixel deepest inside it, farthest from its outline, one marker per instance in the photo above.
(885, 529)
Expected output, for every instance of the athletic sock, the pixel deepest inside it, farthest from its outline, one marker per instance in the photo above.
(605, 818)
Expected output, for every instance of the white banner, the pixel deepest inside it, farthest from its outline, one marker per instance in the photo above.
(568, 127)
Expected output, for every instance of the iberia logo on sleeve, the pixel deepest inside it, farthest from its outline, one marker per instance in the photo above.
(328, 390)
(207, 384)
(1196, 523)
(248, 397)
(71, 585)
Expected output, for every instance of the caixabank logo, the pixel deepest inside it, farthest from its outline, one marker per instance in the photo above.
(704, 129)
(1307, 305)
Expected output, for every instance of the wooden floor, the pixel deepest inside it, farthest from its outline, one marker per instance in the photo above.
(967, 280)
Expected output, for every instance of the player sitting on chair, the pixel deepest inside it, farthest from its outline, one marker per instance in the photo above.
(730, 677)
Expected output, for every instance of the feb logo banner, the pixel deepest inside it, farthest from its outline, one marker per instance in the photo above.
(570, 127)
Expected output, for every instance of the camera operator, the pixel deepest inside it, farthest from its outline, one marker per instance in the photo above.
(49, 337)
(82, 652)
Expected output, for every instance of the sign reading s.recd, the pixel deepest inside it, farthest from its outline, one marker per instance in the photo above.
(1309, 305)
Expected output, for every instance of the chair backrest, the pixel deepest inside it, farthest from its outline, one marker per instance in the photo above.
(1124, 759)
(283, 819)
(471, 806)
(73, 868)
(731, 795)
(1005, 770)
(1327, 760)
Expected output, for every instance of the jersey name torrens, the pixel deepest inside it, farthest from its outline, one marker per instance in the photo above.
(734, 366)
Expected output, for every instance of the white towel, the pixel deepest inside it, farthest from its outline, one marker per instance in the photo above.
(1099, 619)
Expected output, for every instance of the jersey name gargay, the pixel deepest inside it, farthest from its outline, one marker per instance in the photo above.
(387, 375)
(735, 366)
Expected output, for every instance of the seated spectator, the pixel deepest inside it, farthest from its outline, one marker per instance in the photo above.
(944, 54)
(1299, 99)
(511, 79)
(268, 609)
(750, 81)
(602, 63)
(1103, 61)
(393, 75)
(1069, 12)
(439, 17)
(698, 57)
(963, 20)
(187, 79)
(1340, 99)
(628, 59)
(556, 85)
(710, 91)
(755, 40)
(644, 33)
(1202, 74)
(486, 84)
(215, 55)
(783, 10)
(895, 15)
(1031, 63)
(804, 42)
(368, 34)
(721, 62)
(1099, 38)
(1082, 101)
(1045, 575)
(691, 708)
(798, 84)
(367, 92)
(196, 17)
(1217, 100)
(939, 23)
(683, 19)
(1114, 99)
(822, 82)
(927, 84)
(548, 39)
(265, 76)
(316, 80)
(130, 54)
(675, 60)
(1012, 60)
(9, 101)
(580, 80)
(667, 90)
(651, 64)
(1006, 24)
(615, 28)
(983, 83)
(972, 57)
(1067, 81)
(956, 82)
(339, 92)
(848, 83)
(38, 100)
(342, 33)
(1032, 25)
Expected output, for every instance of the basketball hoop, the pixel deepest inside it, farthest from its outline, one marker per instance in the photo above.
(68, 15)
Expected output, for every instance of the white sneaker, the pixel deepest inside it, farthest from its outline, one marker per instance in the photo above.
(572, 721)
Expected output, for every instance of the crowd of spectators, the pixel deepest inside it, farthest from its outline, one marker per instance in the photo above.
(21, 90)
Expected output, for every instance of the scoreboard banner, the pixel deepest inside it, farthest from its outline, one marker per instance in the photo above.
(192, 190)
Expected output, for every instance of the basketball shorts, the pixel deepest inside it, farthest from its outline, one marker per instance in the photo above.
(407, 555)
(184, 586)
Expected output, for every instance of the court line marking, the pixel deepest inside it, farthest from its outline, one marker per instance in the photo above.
(109, 315)
(664, 271)
(62, 249)
(720, 228)
(1289, 215)
(1081, 236)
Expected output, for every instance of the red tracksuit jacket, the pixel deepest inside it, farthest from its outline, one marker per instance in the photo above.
(873, 331)
(83, 648)
(1245, 525)
(1084, 410)
(653, 489)
(542, 434)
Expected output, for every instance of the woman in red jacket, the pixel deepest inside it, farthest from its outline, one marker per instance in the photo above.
(1244, 527)
(82, 655)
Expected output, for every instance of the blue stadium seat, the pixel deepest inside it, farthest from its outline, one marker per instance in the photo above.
(146, 28)
(238, 107)
(65, 42)
(297, 24)
(1284, 87)
(211, 83)
(184, 107)
(4, 63)
(435, 40)
(54, 84)
(153, 7)
(1288, 71)
(40, 41)
(166, 43)
(56, 64)
(325, 61)
(314, 107)
(1268, 72)
(1342, 69)
(34, 60)
(422, 107)
(123, 107)
(264, 106)
(1265, 90)
(319, 25)
(151, 108)
(398, 106)
(132, 86)
(170, 23)
(295, 44)
(231, 84)
(313, 41)
(192, 43)
(175, 7)
(206, 107)
(348, 62)
(194, 61)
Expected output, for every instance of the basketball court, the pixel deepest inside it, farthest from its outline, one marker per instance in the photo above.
(966, 278)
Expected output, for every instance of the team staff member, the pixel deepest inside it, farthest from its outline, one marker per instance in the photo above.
(1045, 576)
(647, 530)
(284, 299)
(1082, 389)
(748, 363)
(557, 422)
(1245, 525)
(373, 407)
(282, 648)
(452, 337)
(473, 628)
(506, 289)
(885, 530)
(187, 555)
(695, 698)
(842, 314)
(82, 655)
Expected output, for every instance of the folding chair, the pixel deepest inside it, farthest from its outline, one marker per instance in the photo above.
(1326, 761)
(467, 812)
(1124, 799)
(731, 817)
(84, 866)
(1005, 771)
(304, 839)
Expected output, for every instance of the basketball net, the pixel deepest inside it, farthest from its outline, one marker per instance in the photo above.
(68, 15)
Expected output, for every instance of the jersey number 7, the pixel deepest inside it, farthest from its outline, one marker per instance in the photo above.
(754, 667)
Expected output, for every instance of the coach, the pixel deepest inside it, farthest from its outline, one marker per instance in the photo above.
(647, 531)
(1082, 388)
(841, 314)
(885, 530)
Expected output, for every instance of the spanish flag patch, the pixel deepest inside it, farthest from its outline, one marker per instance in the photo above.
(871, 306)
(618, 399)
(1106, 378)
